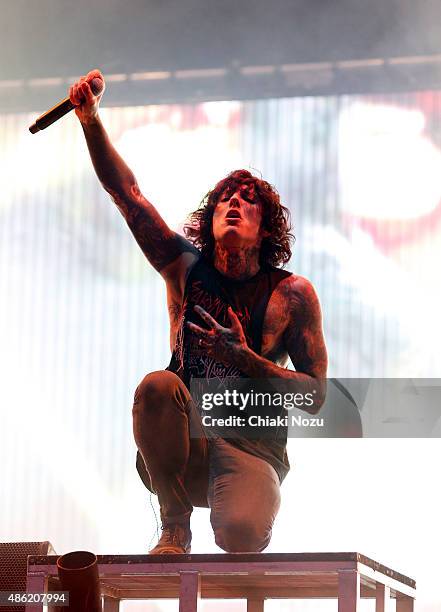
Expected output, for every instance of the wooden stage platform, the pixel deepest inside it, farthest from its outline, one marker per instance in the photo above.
(254, 577)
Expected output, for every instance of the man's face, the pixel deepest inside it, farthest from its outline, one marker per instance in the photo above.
(237, 217)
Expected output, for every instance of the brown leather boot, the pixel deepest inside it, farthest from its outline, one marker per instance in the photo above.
(175, 540)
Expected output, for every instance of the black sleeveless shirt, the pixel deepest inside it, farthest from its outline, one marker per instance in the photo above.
(208, 288)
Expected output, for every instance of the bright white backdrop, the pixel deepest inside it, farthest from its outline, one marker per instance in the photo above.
(83, 317)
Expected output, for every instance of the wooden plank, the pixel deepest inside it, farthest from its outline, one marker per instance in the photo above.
(237, 593)
(348, 591)
(222, 557)
(312, 581)
(395, 586)
(176, 566)
(229, 586)
(387, 571)
(189, 592)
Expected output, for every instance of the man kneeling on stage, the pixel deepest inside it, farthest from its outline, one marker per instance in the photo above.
(233, 313)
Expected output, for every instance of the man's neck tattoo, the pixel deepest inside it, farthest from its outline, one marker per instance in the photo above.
(240, 264)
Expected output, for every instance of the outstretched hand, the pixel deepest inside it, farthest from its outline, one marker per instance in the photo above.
(80, 94)
(222, 343)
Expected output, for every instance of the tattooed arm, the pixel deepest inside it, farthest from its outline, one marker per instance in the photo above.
(158, 242)
(303, 340)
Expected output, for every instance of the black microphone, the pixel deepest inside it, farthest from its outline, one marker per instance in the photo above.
(62, 108)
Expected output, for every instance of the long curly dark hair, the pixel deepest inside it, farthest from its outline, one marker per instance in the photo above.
(275, 249)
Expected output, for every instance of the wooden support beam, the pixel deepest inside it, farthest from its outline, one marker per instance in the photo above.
(404, 603)
(110, 604)
(255, 605)
(382, 598)
(189, 591)
(36, 583)
(348, 591)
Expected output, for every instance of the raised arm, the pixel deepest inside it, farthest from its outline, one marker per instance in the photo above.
(159, 243)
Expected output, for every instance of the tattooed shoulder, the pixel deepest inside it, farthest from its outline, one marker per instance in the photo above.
(300, 298)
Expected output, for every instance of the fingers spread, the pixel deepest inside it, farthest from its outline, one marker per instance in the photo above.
(206, 337)
(198, 330)
(206, 317)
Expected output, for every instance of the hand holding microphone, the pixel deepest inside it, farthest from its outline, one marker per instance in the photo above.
(84, 95)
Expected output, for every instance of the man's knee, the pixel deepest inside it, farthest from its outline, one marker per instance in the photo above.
(154, 388)
(242, 534)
